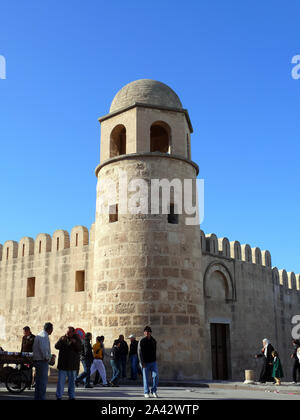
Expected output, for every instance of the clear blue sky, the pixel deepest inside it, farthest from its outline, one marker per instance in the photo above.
(230, 63)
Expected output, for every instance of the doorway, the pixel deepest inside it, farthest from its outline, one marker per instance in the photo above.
(220, 351)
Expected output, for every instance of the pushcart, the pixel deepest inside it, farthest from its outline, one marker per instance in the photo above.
(17, 378)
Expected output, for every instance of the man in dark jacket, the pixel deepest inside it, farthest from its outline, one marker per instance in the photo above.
(123, 355)
(86, 358)
(147, 357)
(26, 347)
(133, 357)
(27, 340)
(69, 347)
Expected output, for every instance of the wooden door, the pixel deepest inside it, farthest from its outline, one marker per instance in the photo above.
(219, 350)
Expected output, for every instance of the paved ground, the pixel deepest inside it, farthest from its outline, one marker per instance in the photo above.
(208, 391)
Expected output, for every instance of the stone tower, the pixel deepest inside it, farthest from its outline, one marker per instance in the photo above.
(147, 264)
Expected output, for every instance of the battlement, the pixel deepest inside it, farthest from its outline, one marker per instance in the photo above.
(44, 243)
(213, 245)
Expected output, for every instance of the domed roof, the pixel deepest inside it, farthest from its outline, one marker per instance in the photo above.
(145, 91)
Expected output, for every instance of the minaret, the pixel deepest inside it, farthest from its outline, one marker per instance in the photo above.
(147, 262)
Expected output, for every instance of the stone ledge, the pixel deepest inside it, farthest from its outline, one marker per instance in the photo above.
(143, 155)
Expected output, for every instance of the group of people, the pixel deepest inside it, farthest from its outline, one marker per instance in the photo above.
(72, 350)
(92, 360)
(142, 356)
(272, 369)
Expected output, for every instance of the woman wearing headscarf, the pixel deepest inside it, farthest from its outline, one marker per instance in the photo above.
(267, 368)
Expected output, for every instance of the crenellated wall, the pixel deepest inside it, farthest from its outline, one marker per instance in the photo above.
(53, 262)
(256, 301)
(213, 245)
(240, 288)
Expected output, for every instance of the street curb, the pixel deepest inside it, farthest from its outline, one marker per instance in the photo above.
(283, 389)
(241, 387)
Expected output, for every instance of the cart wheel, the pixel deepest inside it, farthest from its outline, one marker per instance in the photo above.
(16, 382)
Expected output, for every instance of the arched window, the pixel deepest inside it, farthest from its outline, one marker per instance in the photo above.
(118, 141)
(160, 135)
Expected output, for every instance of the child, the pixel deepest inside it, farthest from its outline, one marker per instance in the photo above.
(277, 368)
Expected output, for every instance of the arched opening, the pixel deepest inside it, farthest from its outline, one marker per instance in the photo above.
(218, 284)
(160, 135)
(118, 141)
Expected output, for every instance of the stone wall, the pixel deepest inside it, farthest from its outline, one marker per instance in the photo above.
(257, 301)
(149, 271)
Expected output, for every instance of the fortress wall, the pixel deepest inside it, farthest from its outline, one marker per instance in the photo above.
(257, 300)
(240, 288)
(53, 262)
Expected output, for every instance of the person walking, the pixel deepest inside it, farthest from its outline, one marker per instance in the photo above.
(69, 347)
(41, 358)
(115, 363)
(266, 353)
(133, 357)
(296, 364)
(277, 372)
(123, 355)
(147, 358)
(98, 365)
(86, 358)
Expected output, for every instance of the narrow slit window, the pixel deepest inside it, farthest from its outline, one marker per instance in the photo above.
(40, 247)
(7, 253)
(31, 287)
(57, 244)
(23, 250)
(173, 215)
(76, 239)
(113, 213)
(188, 146)
(79, 281)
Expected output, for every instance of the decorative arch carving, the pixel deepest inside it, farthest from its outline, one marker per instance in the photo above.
(230, 293)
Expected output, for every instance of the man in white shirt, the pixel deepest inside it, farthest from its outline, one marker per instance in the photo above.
(41, 357)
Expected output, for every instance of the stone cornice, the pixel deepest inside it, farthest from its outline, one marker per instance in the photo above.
(139, 104)
(142, 155)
